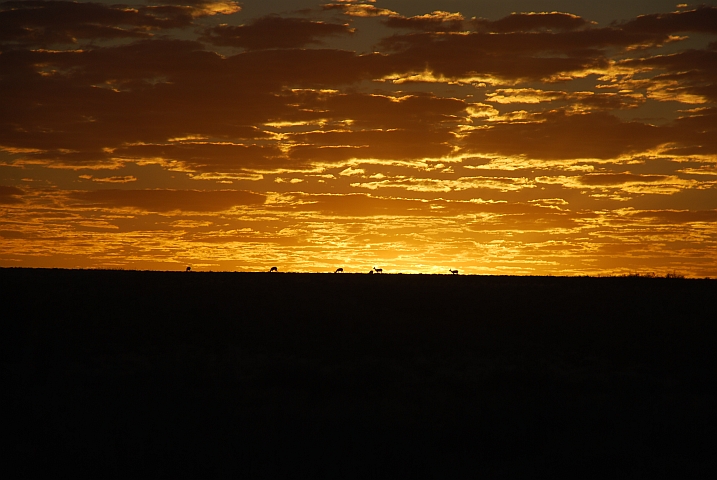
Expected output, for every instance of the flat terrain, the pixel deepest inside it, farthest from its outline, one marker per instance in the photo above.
(119, 374)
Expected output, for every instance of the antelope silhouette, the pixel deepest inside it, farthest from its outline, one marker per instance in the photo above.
(339, 270)
(370, 272)
(188, 269)
(378, 270)
(273, 269)
(454, 272)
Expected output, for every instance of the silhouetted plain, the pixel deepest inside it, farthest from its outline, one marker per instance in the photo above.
(115, 374)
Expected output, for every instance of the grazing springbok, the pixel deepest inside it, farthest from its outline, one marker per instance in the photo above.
(188, 269)
(378, 270)
(339, 270)
(370, 272)
(454, 272)
(273, 269)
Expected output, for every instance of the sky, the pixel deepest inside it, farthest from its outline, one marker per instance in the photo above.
(496, 137)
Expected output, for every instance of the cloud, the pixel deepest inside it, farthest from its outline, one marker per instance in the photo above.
(347, 172)
(78, 107)
(437, 21)
(525, 22)
(559, 135)
(531, 222)
(131, 102)
(701, 19)
(698, 133)
(202, 8)
(40, 22)
(586, 99)
(676, 216)
(526, 46)
(690, 76)
(359, 10)
(353, 205)
(375, 111)
(510, 56)
(610, 179)
(503, 184)
(8, 195)
(141, 93)
(361, 205)
(626, 182)
(337, 146)
(14, 234)
(212, 157)
(169, 200)
(274, 32)
(115, 179)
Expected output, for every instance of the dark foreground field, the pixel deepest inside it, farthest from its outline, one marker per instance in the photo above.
(111, 374)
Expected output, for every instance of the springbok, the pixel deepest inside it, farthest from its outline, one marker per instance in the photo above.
(370, 272)
(273, 269)
(454, 272)
(339, 270)
(378, 270)
(188, 269)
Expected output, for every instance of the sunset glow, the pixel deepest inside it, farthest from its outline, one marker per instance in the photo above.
(499, 137)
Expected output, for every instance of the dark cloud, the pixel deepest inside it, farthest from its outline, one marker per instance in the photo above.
(170, 200)
(309, 68)
(619, 178)
(589, 99)
(8, 195)
(676, 216)
(213, 157)
(558, 135)
(336, 146)
(355, 205)
(532, 221)
(697, 133)
(217, 5)
(141, 93)
(691, 71)
(513, 56)
(274, 32)
(358, 10)
(498, 215)
(531, 46)
(174, 100)
(432, 22)
(123, 67)
(382, 111)
(700, 120)
(14, 234)
(39, 22)
(702, 19)
(608, 101)
(526, 22)
(75, 107)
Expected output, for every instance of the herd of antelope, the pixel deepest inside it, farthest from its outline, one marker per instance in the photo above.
(341, 270)
(373, 270)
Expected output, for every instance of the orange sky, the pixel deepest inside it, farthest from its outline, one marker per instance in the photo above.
(564, 139)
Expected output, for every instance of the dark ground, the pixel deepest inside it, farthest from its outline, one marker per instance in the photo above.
(113, 374)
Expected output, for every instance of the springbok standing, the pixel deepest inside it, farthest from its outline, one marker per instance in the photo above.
(339, 270)
(454, 272)
(188, 269)
(378, 270)
(273, 269)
